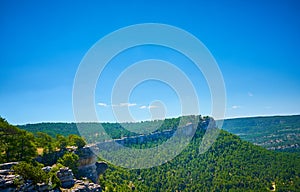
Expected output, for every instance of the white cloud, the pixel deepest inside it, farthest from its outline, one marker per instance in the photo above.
(148, 107)
(236, 107)
(152, 106)
(127, 104)
(117, 105)
(102, 104)
(250, 94)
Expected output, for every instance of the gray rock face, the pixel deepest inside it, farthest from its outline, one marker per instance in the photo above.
(42, 187)
(28, 186)
(47, 169)
(67, 180)
(7, 165)
(86, 186)
(65, 175)
(7, 181)
(101, 167)
(88, 165)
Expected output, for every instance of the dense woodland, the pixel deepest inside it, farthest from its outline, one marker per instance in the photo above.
(231, 164)
(276, 133)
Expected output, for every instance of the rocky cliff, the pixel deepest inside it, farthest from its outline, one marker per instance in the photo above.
(88, 165)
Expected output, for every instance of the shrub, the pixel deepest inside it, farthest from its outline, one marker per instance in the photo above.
(70, 160)
(31, 171)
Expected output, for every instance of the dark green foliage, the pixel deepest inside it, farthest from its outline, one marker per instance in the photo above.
(77, 141)
(277, 133)
(49, 159)
(70, 160)
(61, 142)
(15, 144)
(230, 164)
(53, 177)
(52, 129)
(46, 142)
(31, 171)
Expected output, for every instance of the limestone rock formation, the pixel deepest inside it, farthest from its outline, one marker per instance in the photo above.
(7, 166)
(8, 180)
(68, 182)
(88, 165)
(85, 186)
(65, 175)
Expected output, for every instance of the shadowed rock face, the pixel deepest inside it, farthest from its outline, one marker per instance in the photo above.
(101, 167)
(66, 177)
(7, 165)
(88, 165)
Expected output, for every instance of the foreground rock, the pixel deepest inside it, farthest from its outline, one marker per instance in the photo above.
(9, 182)
(69, 183)
(66, 177)
(85, 186)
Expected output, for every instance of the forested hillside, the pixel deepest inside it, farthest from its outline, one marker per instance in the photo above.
(230, 165)
(275, 133)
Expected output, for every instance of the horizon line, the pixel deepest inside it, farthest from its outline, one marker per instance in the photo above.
(226, 118)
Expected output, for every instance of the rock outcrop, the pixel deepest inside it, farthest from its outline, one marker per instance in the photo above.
(86, 186)
(65, 175)
(7, 166)
(69, 182)
(9, 181)
(88, 168)
(88, 165)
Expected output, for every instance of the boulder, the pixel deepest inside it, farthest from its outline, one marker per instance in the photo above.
(7, 165)
(65, 175)
(7, 181)
(86, 186)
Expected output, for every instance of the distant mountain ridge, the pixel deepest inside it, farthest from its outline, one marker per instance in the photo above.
(274, 132)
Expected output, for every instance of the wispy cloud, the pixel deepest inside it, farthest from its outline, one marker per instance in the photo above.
(127, 104)
(152, 106)
(148, 107)
(250, 94)
(102, 104)
(117, 105)
(235, 107)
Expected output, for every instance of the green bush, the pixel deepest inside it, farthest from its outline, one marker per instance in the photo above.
(70, 160)
(31, 171)
(77, 141)
(55, 182)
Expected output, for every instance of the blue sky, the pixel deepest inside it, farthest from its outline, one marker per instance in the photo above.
(255, 43)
